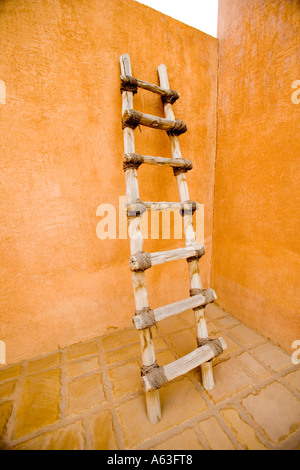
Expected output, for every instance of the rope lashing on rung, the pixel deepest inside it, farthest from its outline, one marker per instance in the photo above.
(192, 207)
(136, 209)
(155, 375)
(179, 128)
(170, 96)
(131, 118)
(140, 261)
(208, 294)
(129, 83)
(214, 344)
(132, 161)
(187, 165)
(199, 253)
(147, 316)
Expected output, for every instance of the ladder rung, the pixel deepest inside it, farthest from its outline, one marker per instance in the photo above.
(159, 376)
(141, 320)
(134, 160)
(130, 83)
(137, 208)
(132, 118)
(137, 261)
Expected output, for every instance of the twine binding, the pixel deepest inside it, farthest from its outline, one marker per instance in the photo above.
(190, 210)
(155, 375)
(147, 316)
(135, 161)
(199, 253)
(179, 128)
(131, 118)
(208, 294)
(214, 344)
(129, 83)
(170, 97)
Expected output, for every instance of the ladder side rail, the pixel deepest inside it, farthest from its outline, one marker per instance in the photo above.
(194, 272)
(136, 244)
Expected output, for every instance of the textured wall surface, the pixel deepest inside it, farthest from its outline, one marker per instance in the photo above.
(255, 264)
(61, 156)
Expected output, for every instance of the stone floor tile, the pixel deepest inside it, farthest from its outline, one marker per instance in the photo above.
(171, 324)
(272, 356)
(257, 369)
(76, 351)
(228, 322)
(165, 357)
(213, 329)
(275, 409)
(39, 405)
(84, 393)
(187, 317)
(80, 367)
(70, 437)
(294, 379)
(213, 312)
(186, 440)
(241, 430)
(184, 341)
(180, 401)
(246, 335)
(5, 412)
(102, 432)
(120, 338)
(46, 362)
(132, 351)
(125, 379)
(7, 389)
(232, 346)
(230, 379)
(215, 435)
(10, 372)
(159, 344)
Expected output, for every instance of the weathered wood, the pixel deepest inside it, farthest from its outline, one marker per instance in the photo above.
(185, 364)
(181, 306)
(186, 206)
(132, 118)
(160, 257)
(169, 310)
(166, 93)
(136, 244)
(183, 163)
(194, 273)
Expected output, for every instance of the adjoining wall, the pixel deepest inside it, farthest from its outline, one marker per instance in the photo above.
(255, 264)
(61, 157)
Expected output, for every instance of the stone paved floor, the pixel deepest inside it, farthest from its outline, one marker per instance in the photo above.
(88, 396)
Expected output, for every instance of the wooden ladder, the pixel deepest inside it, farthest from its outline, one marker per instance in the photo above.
(154, 376)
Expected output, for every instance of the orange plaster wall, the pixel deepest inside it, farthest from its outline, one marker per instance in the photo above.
(255, 263)
(61, 157)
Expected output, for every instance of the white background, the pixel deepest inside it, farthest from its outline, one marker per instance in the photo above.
(201, 14)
